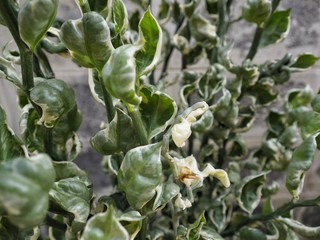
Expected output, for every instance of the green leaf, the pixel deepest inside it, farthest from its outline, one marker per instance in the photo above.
(248, 233)
(203, 31)
(101, 6)
(150, 37)
(117, 137)
(73, 196)
(204, 124)
(9, 143)
(301, 229)
(263, 92)
(194, 229)
(120, 16)
(296, 98)
(119, 74)
(212, 82)
(24, 187)
(250, 192)
(226, 110)
(246, 118)
(32, 29)
(276, 28)
(309, 122)
(165, 192)
(140, 174)
(55, 98)
(217, 214)
(257, 11)
(105, 226)
(238, 149)
(8, 71)
(301, 161)
(88, 40)
(209, 234)
(157, 110)
(304, 61)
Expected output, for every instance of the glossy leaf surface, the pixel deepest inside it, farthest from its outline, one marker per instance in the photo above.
(140, 174)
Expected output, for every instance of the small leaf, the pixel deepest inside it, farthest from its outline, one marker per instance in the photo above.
(276, 28)
(88, 40)
(43, 13)
(150, 37)
(302, 230)
(157, 109)
(257, 11)
(9, 143)
(140, 174)
(301, 161)
(248, 233)
(296, 98)
(101, 6)
(117, 137)
(120, 16)
(55, 98)
(8, 71)
(209, 234)
(105, 226)
(263, 92)
(304, 61)
(165, 192)
(119, 74)
(194, 229)
(250, 192)
(203, 31)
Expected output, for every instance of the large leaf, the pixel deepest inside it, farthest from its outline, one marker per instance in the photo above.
(32, 29)
(117, 137)
(140, 174)
(276, 28)
(119, 74)
(88, 40)
(24, 187)
(105, 226)
(55, 97)
(150, 37)
(157, 109)
(72, 193)
(301, 161)
(9, 143)
(250, 192)
(73, 196)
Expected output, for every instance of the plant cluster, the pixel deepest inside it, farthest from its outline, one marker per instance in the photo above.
(179, 171)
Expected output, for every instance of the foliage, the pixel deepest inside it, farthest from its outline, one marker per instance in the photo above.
(181, 169)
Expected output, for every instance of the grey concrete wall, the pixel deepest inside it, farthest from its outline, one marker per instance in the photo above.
(303, 37)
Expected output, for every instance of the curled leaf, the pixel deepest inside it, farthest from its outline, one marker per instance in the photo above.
(55, 98)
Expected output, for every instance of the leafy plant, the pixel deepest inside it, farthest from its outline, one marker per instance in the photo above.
(180, 171)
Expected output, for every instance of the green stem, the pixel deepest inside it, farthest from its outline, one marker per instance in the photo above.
(255, 43)
(138, 124)
(107, 101)
(284, 209)
(48, 142)
(144, 229)
(223, 18)
(43, 59)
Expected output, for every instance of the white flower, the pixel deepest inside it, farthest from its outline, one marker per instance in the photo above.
(187, 171)
(182, 203)
(181, 132)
